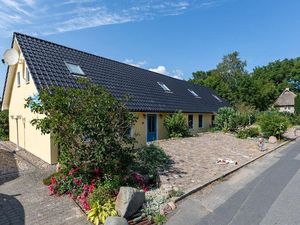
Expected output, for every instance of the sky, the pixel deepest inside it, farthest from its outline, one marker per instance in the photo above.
(173, 37)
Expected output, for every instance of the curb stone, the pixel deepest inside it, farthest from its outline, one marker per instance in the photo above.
(217, 178)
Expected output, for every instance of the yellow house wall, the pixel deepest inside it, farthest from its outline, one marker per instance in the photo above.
(29, 138)
(140, 127)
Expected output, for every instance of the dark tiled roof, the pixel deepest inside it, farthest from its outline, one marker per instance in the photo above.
(46, 62)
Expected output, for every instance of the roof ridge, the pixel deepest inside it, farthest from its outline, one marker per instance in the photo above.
(71, 48)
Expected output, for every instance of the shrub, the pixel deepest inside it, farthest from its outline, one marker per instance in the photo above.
(101, 194)
(4, 125)
(248, 132)
(99, 213)
(176, 125)
(272, 123)
(89, 126)
(149, 159)
(226, 119)
(159, 219)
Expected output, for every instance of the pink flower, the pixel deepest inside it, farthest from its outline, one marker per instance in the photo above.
(73, 170)
(86, 206)
(85, 187)
(145, 189)
(78, 182)
(51, 190)
(91, 188)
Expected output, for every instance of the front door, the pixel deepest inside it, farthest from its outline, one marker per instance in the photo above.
(151, 127)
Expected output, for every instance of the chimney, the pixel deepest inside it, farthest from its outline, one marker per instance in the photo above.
(287, 89)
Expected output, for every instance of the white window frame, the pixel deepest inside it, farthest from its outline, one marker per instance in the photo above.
(194, 93)
(216, 97)
(192, 121)
(27, 76)
(164, 87)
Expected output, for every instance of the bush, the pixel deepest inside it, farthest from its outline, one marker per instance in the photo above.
(148, 160)
(297, 105)
(226, 119)
(272, 123)
(4, 125)
(176, 125)
(248, 132)
(89, 126)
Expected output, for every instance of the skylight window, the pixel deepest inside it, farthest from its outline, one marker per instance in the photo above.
(216, 97)
(194, 93)
(164, 87)
(75, 69)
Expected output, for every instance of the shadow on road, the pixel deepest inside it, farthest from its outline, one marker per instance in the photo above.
(11, 211)
(251, 204)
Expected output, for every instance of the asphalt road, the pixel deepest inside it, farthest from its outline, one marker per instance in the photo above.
(266, 192)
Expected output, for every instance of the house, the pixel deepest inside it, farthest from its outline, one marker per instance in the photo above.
(153, 96)
(286, 101)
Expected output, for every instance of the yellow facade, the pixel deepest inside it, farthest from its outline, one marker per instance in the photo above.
(29, 138)
(140, 127)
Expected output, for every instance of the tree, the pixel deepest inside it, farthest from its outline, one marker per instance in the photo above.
(297, 104)
(89, 126)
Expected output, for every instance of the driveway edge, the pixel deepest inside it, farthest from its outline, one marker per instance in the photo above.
(201, 186)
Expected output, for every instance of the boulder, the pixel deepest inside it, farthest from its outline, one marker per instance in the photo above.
(167, 208)
(115, 220)
(272, 140)
(129, 201)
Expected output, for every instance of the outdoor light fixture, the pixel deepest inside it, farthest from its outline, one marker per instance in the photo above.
(17, 117)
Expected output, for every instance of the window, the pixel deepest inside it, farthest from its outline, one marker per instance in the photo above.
(194, 93)
(18, 79)
(216, 97)
(164, 87)
(190, 121)
(212, 119)
(74, 69)
(200, 121)
(27, 76)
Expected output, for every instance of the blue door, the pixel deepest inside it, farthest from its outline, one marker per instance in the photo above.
(151, 127)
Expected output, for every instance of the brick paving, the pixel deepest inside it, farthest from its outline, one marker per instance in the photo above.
(23, 197)
(194, 159)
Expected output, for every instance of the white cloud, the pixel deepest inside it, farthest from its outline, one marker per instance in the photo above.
(160, 69)
(48, 17)
(136, 64)
(178, 74)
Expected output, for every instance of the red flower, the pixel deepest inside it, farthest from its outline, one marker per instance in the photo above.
(86, 206)
(145, 189)
(85, 187)
(53, 180)
(91, 188)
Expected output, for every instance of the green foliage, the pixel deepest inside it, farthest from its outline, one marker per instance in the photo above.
(102, 193)
(89, 126)
(176, 125)
(272, 123)
(248, 132)
(4, 125)
(297, 104)
(259, 88)
(153, 203)
(159, 219)
(149, 159)
(226, 119)
(99, 213)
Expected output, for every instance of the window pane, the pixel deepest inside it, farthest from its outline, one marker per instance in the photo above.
(164, 87)
(75, 69)
(200, 121)
(27, 75)
(19, 79)
(190, 121)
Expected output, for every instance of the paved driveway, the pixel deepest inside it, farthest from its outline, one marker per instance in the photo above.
(23, 197)
(263, 193)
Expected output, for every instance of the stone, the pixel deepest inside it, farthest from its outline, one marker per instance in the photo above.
(115, 220)
(272, 140)
(167, 208)
(129, 201)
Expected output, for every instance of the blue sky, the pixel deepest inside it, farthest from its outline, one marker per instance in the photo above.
(174, 37)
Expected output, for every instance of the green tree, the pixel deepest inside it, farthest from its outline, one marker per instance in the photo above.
(4, 125)
(176, 125)
(297, 104)
(89, 126)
